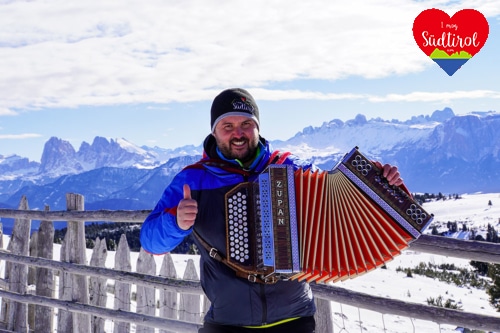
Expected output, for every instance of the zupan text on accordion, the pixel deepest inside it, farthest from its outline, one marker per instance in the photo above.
(322, 226)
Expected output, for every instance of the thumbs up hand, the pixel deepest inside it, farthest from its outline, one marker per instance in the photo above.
(186, 210)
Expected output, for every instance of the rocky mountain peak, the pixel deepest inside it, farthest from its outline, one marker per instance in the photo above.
(59, 157)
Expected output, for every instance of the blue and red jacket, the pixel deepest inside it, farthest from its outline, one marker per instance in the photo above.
(234, 301)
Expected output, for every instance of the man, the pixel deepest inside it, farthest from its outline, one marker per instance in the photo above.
(234, 152)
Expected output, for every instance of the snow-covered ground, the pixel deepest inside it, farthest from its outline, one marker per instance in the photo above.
(472, 208)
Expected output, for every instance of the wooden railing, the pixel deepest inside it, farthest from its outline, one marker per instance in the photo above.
(83, 288)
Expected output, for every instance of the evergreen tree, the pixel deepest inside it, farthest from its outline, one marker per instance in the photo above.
(481, 267)
(492, 234)
(494, 290)
(472, 234)
(435, 231)
(111, 245)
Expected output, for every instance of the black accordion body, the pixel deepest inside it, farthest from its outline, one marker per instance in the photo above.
(322, 226)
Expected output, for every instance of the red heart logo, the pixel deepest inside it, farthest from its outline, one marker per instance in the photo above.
(450, 41)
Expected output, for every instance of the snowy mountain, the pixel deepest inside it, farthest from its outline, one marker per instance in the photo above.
(59, 158)
(438, 153)
(375, 136)
(14, 167)
(104, 188)
(460, 155)
(442, 153)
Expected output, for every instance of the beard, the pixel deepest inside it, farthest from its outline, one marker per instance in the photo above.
(230, 150)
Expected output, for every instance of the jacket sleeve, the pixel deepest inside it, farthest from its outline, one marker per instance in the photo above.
(160, 232)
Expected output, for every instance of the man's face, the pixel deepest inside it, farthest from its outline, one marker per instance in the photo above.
(237, 137)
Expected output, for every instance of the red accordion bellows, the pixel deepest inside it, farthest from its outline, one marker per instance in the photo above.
(342, 232)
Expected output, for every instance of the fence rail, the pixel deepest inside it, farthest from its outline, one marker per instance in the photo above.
(173, 287)
(465, 249)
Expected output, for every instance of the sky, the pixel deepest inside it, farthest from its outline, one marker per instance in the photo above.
(148, 71)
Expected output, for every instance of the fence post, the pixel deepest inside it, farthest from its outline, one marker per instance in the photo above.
(17, 313)
(74, 287)
(168, 299)
(122, 289)
(33, 252)
(146, 302)
(64, 318)
(190, 304)
(323, 316)
(98, 286)
(44, 277)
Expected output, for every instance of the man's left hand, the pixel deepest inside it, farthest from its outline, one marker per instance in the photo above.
(390, 173)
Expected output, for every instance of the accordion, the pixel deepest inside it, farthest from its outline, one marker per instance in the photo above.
(322, 226)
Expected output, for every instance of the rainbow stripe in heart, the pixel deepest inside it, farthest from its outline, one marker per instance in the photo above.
(450, 63)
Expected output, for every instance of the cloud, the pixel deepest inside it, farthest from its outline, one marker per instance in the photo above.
(277, 95)
(419, 96)
(444, 97)
(19, 136)
(7, 112)
(68, 54)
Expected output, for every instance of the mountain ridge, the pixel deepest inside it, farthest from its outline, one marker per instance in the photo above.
(438, 153)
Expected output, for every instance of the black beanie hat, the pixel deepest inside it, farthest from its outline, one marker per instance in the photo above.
(233, 102)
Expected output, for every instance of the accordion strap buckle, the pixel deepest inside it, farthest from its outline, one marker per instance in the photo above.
(264, 280)
(213, 253)
(270, 279)
(252, 278)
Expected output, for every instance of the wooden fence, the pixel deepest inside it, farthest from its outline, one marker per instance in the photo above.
(40, 294)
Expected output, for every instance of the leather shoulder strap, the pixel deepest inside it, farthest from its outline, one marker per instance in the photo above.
(214, 254)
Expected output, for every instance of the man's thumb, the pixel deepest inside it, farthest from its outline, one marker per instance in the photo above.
(187, 191)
